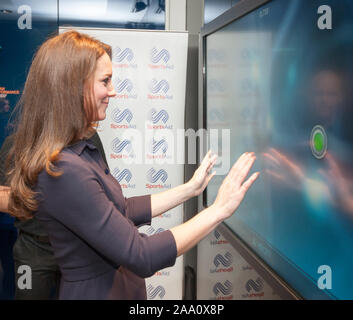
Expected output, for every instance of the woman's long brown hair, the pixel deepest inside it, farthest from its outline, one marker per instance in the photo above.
(56, 109)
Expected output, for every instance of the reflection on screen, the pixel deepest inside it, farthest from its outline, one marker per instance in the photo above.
(284, 88)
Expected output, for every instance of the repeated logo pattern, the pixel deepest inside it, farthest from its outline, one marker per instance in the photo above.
(159, 145)
(223, 288)
(153, 176)
(121, 85)
(120, 175)
(155, 116)
(157, 86)
(157, 56)
(119, 55)
(150, 230)
(225, 260)
(216, 114)
(256, 285)
(118, 146)
(118, 115)
(215, 85)
(216, 55)
(216, 234)
(153, 292)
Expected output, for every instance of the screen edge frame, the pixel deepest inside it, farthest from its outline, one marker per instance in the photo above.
(279, 285)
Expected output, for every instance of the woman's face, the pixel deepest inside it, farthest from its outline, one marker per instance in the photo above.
(103, 88)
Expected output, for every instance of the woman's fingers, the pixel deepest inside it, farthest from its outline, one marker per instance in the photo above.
(244, 171)
(247, 184)
(233, 188)
(208, 162)
(211, 176)
(205, 159)
(239, 170)
(211, 163)
(239, 165)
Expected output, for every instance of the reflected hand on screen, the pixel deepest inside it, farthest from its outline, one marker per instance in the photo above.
(233, 188)
(342, 192)
(284, 169)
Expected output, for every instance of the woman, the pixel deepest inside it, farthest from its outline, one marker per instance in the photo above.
(60, 177)
(32, 247)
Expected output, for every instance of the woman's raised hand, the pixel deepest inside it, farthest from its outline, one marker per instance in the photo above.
(203, 175)
(233, 188)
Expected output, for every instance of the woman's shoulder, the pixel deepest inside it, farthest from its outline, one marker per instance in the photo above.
(68, 159)
(71, 155)
(68, 165)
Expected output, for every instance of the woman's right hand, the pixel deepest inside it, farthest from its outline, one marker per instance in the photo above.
(233, 188)
(230, 194)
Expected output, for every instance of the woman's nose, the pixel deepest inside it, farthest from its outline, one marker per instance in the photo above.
(111, 92)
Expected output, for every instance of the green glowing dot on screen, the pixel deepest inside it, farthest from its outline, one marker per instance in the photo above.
(318, 141)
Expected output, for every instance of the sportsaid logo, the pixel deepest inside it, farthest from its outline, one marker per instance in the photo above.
(162, 273)
(154, 292)
(158, 149)
(217, 239)
(217, 88)
(124, 89)
(122, 119)
(158, 119)
(123, 58)
(222, 263)
(217, 117)
(160, 59)
(157, 56)
(151, 231)
(157, 179)
(216, 58)
(223, 291)
(122, 149)
(254, 285)
(124, 178)
(158, 90)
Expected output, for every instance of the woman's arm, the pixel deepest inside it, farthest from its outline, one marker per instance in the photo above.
(164, 201)
(229, 197)
(78, 201)
(4, 198)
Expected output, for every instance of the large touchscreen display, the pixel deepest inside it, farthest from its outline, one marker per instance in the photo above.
(280, 79)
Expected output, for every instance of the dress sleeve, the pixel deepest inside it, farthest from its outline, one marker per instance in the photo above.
(77, 200)
(138, 210)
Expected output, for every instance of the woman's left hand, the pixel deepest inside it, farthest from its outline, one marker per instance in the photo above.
(203, 175)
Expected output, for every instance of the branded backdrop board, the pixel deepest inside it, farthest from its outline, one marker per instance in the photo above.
(139, 133)
(223, 274)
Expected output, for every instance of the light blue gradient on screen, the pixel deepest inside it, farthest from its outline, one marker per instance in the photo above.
(300, 76)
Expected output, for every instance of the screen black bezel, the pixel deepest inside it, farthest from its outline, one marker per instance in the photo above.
(280, 286)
